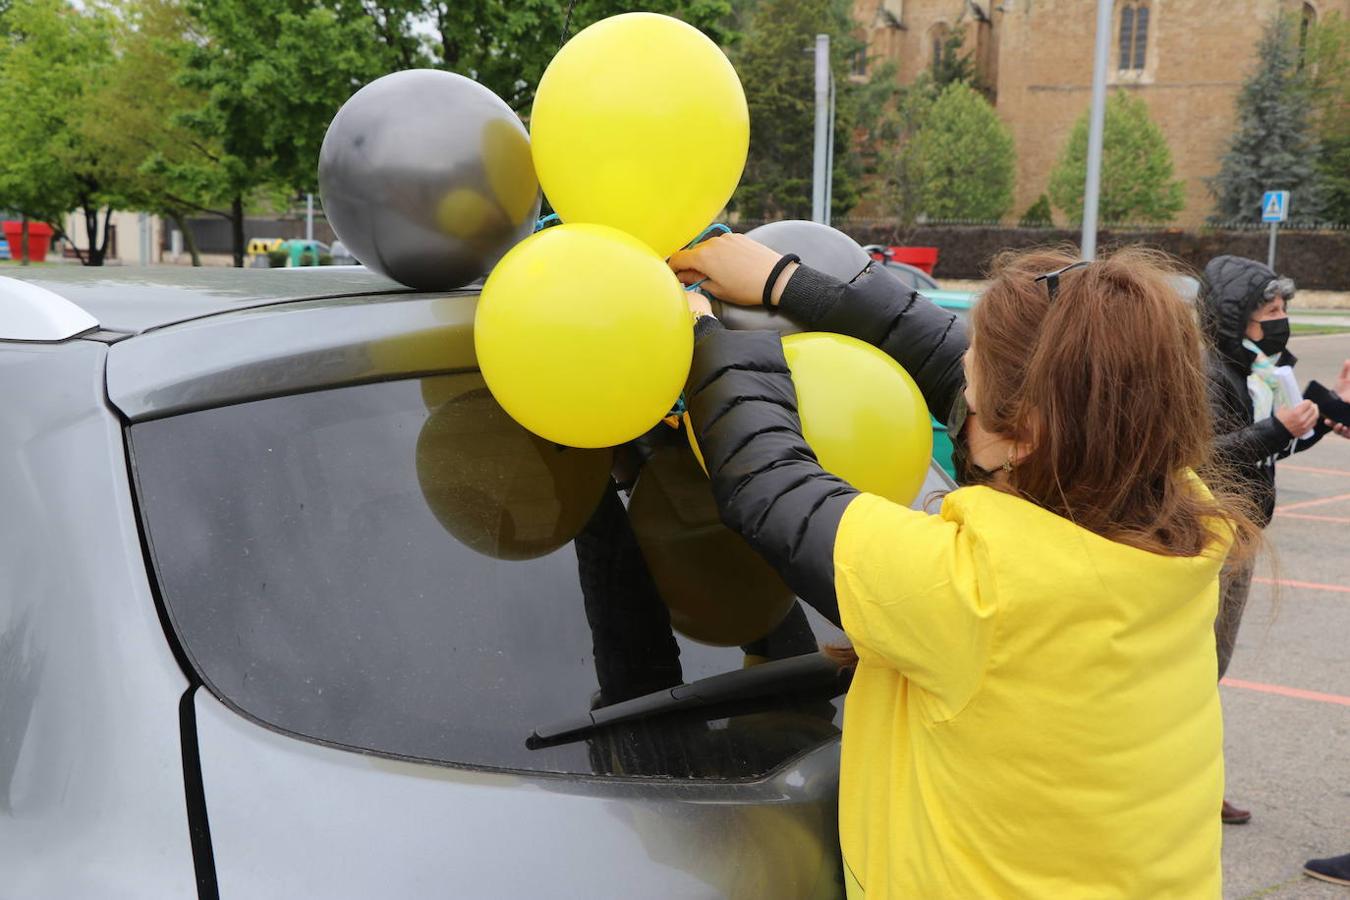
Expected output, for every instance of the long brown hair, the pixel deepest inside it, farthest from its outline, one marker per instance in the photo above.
(1106, 383)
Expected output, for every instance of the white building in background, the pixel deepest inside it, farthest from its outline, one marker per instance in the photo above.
(136, 237)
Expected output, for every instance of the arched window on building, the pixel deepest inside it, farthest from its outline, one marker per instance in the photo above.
(1306, 20)
(937, 36)
(1133, 36)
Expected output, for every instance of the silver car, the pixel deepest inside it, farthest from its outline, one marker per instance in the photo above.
(291, 609)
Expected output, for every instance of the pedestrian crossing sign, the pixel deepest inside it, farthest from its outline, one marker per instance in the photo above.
(1275, 206)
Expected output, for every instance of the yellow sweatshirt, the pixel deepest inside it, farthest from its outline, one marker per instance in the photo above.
(1034, 713)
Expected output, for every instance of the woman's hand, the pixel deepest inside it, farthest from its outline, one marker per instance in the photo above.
(735, 268)
(1299, 419)
(699, 305)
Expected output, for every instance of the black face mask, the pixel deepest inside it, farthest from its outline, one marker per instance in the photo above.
(1274, 336)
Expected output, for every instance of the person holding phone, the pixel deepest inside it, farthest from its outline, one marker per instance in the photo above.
(1259, 417)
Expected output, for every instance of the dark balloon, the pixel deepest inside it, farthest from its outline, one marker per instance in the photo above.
(718, 589)
(821, 247)
(497, 488)
(426, 177)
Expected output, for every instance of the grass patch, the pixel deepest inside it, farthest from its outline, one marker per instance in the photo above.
(1303, 329)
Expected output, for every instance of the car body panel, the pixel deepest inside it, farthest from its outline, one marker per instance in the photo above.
(92, 800)
(291, 819)
(911, 276)
(287, 348)
(138, 300)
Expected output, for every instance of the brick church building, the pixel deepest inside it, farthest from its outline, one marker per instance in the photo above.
(1186, 58)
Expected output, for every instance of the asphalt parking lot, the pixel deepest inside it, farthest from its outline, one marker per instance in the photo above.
(1287, 697)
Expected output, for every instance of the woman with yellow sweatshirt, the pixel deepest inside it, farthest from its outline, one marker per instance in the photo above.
(1034, 711)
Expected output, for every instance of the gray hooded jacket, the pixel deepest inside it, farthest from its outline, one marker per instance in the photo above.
(1233, 289)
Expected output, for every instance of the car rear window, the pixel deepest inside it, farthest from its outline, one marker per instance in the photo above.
(400, 568)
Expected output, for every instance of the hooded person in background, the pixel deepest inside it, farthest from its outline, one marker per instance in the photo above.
(1244, 313)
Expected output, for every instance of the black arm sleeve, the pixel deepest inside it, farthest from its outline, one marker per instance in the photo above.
(1248, 445)
(1319, 395)
(875, 307)
(1238, 441)
(769, 487)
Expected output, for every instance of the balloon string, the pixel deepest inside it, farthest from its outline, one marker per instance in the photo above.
(548, 221)
(567, 24)
(714, 228)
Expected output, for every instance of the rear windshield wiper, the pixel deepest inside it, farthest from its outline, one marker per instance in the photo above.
(811, 671)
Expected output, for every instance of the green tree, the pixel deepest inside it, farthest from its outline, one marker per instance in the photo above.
(137, 125)
(1137, 183)
(1274, 146)
(506, 44)
(54, 55)
(1037, 214)
(271, 76)
(777, 69)
(898, 182)
(1327, 60)
(966, 157)
(953, 64)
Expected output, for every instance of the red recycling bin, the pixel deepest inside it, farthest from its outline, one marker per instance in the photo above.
(919, 257)
(39, 239)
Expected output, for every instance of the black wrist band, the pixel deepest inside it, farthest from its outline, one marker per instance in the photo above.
(778, 268)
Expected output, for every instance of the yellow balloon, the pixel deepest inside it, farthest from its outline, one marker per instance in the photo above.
(861, 413)
(879, 440)
(613, 121)
(584, 335)
(719, 591)
(498, 489)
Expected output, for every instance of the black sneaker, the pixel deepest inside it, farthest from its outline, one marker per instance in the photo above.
(1336, 869)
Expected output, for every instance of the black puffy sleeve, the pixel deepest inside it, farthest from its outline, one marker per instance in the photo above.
(769, 486)
(877, 308)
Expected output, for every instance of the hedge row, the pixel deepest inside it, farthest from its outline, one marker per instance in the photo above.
(1314, 259)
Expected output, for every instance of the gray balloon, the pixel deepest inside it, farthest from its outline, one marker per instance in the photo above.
(821, 247)
(426, 177)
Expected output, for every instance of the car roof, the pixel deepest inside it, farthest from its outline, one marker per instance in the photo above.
(135, 300)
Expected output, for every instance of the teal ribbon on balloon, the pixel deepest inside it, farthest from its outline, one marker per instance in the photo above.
(714, 228)
(679, 409)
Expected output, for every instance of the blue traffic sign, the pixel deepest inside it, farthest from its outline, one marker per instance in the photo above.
(1275, 206)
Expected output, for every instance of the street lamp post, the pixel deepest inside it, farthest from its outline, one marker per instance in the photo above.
(1097, 123)
(820, 192)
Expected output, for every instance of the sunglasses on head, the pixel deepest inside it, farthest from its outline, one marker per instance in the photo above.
(1051, 279)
